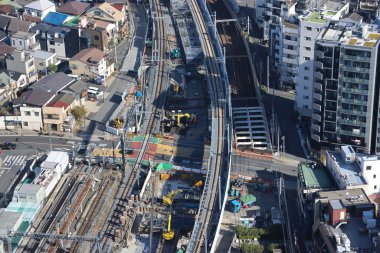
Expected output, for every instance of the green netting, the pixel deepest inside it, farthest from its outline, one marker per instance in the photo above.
(164, 167)
(247, 199)
(138, 138)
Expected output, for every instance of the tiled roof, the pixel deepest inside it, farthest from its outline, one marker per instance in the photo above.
(53, 82)
(74, 8)
(89, 56)
(19, 25)
(6, 9)
(34, 97)
(5, 48)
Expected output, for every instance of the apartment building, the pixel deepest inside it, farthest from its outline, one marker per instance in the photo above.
(310, 24)
(346, 88)
(37, 10)
(22, 62)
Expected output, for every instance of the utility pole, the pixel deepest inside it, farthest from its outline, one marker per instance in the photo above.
(115, 53)
(151, 215)
(50, 138)
(248, 28)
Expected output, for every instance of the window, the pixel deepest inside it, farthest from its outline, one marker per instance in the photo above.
(305, 106)
(73, 66)
(13, 42)
(306, 68)
(20, 42)
(307, 58)
(308, 28)
(368, 167)
(37, 114)
(96, 37)
(51, 42)
(342, 214)
(306, 78)
(308, 48)
(39, 14)
(27, 113)
(374, 176)
(25, 123)
(305, 97)
(305, 87)
(375, 187)
(308, 38)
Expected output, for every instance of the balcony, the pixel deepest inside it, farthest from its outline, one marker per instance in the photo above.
(356, 58)
(290, 42)
(319, 64)
(352, 133)
(355, 69)
(316, 117)
(315, 127)
(290, 51)
(354, 80)
(319, 53)
(353, 112)
(353, 101)
(317, 96)
(290, 79)
(317, 107)
(289, 60)
(355, 91)
(352, 122)
(317, 86)
(318, 75)
(315, 137)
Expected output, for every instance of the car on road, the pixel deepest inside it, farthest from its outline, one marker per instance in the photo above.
(7, 145)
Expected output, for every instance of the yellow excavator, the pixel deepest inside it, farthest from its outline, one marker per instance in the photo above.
(198, 184)
(168, 199)
(118, 123)
(179, 117)
(176, 88)
(168, 234)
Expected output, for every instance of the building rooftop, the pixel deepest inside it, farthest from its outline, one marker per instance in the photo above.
(29, 188)
(56, 18)
(40, 5)
(8, 220)
(316, 17)
(6, 49)
(314, 176)
(349, 171)
(22, 35)
(53, 82)
(33, 97)
(74, 8)
(89, 56)
(39, 54)
(19, 25)
(348, 197)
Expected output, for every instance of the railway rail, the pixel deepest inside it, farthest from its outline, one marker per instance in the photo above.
(52, 210)
(111, 226)
(205, 223)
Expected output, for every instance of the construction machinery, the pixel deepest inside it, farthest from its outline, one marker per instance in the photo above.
(198, 184)
(168, 234)
(168, 199)
(178, 119)
(118, 123)
(244, 202)
(176, 88)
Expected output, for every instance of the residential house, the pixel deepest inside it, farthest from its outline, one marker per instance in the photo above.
(43, 60)
(18, 25)
(24, 41)
(31, 102)
(92, 64)
(106, 12)
(100, 33)
(64, 41)
(5, 50)
(37, 10)
(57, 111)
(29, 105)
(10, 83)
(7, 9)
(22, 62)
(74, 8)
(79, 90)
(4, 23)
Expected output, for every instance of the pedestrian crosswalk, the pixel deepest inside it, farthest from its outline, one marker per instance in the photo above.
(13, 160)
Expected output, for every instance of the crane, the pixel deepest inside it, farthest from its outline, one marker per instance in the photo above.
(168, 234)
(63, 237)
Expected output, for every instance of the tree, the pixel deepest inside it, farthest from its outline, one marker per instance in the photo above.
(79, 112)
(52, 68)
(272, 246)
(249, 233)
(252, 248)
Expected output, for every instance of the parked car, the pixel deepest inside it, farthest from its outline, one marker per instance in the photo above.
(7, 145)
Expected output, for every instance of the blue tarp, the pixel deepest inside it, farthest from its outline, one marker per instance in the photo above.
(55, 18)
(139, 94)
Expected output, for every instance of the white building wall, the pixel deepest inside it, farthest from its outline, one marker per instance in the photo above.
(31, 118)
(371, 172)
(260, 12)
(308, 32)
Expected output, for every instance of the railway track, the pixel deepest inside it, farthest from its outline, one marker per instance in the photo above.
(114, 223)
(204, 223)
(93, 212)
(52, 210)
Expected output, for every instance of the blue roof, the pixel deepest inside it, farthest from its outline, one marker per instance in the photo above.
(55, 18)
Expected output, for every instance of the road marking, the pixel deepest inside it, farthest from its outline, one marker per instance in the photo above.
(12, 160)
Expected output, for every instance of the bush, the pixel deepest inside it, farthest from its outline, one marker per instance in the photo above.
(52, 68)
(272, 246)
(274, 232)
(252, 248)
(79, 112)
(249, 233)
